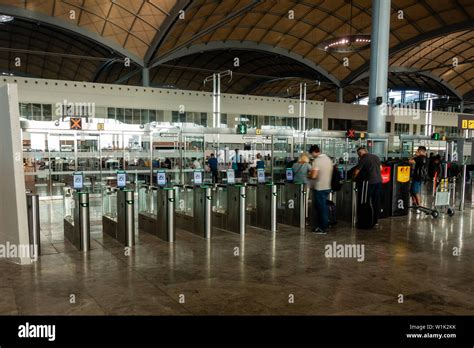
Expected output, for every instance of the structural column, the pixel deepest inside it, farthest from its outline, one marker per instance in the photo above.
(146, 77)
(379, 47)
(340, 95)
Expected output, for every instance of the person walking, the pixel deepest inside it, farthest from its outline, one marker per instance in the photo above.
(369, 169)
(320, 183)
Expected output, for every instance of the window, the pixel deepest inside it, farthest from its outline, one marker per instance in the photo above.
(314, 123)
(203, 119)
(120, 115)
(388, 127)
(111, 113)
(223, 120)
(145, 117)
(402, 128)
(136, 116)
(177, 117)
(25, 110)
(47, 112)
(37, 112)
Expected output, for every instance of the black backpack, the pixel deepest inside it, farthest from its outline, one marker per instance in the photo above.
(336, 184)
(421, 172)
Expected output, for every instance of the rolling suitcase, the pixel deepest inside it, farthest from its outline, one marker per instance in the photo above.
(332, 212)
(365, 211)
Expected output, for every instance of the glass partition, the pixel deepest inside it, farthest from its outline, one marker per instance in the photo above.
(184, 200)
(109, 202)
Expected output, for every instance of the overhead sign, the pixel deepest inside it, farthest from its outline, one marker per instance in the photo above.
(466, 121)
(121, 179)
(100, 126)
(78, 180)
(261, 175)
(161, 178)
(242, 128)
(258, 131)
(75, 123)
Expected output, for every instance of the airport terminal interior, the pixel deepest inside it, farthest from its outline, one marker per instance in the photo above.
(237, 157)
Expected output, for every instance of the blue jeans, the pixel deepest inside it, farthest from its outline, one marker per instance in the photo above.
(321, 209)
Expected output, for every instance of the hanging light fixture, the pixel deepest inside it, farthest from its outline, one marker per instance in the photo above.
(347, 43)
(5, 18)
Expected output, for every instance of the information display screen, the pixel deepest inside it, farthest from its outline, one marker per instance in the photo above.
(78, 181)
(230, 176)
(261, 175)
(289, 174)
(161, 178)
(121, 179)
(197, 177)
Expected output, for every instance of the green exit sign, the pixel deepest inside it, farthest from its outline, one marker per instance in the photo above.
(435, 136)
(242, 129)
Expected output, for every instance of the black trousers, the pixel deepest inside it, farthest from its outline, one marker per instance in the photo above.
(374, 192)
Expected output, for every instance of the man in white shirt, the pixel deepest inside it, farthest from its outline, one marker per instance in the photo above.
(320, 184)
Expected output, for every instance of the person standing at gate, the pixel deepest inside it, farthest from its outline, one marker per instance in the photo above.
(212, 162)
(419, 174)
(320, 183)
(370, 169)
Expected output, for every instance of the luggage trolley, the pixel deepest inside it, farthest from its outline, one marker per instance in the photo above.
(443, 192)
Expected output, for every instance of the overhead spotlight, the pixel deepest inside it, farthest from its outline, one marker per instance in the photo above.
(6, 18)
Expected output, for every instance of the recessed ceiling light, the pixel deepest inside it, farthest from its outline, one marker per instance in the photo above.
(5, 18)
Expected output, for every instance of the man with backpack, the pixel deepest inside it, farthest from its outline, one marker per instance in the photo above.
(419, 174)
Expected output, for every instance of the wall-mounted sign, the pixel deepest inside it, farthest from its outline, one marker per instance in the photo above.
(100, 126)
(258, 131)
(161, 178)
(78, 180)
(261, 175)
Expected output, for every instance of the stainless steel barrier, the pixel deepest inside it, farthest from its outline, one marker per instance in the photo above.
(232, 217)
(32, 203)
(126, 217)
(266, 210)
(77, 227)
(160, 221)
(166, 211)
(294, 205)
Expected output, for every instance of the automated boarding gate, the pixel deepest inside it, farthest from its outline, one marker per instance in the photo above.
(229, 208)
(77, 224)
(194, 209)
(293, 205)
(157, 211)
(118, 220)
(346, 202)
(266, 207)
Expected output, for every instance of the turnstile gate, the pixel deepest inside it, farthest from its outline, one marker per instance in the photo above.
(157, 212)
(292, 210)
(119, 223)
(77, 220)
(229, 208)
(194, 213)
(265, 213)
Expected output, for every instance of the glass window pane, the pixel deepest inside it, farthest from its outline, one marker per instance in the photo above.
(144, 118)
(37, 112)
(136, 116)
(25, 110)
(121, 115)
(111, 113)
(47, 112)
(129, 116)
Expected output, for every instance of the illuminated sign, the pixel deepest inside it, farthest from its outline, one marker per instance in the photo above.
(466, 121)
(75, 123)
(403, 174)
(386, 171)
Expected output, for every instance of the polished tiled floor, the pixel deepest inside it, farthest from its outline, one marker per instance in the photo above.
(412, 256)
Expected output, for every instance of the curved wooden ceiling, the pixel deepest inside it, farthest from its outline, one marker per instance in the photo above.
(152, 33)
